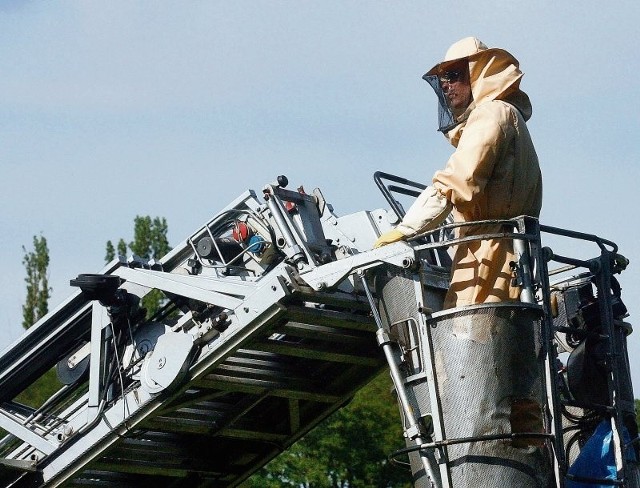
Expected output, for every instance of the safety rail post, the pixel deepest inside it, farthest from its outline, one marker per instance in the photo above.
(551, 357)
(603, 284)
(522, 251)
(414, 430)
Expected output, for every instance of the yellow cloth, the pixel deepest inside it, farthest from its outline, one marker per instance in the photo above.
(389, 237)
(493, 174)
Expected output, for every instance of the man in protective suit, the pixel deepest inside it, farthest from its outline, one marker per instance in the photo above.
(493, 174)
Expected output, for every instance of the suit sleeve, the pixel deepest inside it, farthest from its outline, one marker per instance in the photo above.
(428, 211)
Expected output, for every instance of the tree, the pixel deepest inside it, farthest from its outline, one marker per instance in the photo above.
(36, 264)
(110, 252)
(149, 239)
(122, 247)
(36, 306)
(349, 449)
(149, 242)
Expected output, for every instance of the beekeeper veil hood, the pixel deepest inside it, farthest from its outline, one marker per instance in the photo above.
(493, 74)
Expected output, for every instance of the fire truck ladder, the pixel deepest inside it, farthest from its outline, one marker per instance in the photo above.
(274, 313)
(243, 359)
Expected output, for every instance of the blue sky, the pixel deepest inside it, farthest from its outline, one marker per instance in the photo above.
(114, 109)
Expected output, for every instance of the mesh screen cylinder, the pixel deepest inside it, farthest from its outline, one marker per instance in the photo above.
(488, 367)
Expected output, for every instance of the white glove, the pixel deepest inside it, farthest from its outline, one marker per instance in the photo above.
(428, 211)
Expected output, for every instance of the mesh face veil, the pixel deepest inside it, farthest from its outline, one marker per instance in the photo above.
(446, 119)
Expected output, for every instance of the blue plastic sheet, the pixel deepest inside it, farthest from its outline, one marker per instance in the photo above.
(596, 459)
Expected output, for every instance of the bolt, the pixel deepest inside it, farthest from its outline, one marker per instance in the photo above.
(161, 362)
(407, 262)
(424, 310)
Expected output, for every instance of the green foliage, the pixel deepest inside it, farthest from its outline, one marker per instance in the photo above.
(349, 449)
(36, 305)
(149, 242)
(40, 390)
(36, 264)
(122, 247)
(150, 237)
(110, 253)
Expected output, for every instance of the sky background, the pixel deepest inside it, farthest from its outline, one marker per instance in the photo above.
(117, 108)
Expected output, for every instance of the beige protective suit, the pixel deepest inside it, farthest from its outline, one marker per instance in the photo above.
(493, 174)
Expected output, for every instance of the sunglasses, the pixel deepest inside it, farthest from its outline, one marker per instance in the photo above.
(451, 76)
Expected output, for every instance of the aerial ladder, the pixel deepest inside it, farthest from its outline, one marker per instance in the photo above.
(277, 311)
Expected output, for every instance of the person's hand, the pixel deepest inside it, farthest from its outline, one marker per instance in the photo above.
(389, 237)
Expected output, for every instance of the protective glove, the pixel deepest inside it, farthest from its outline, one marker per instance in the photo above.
(389, 237)
(426, 213)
